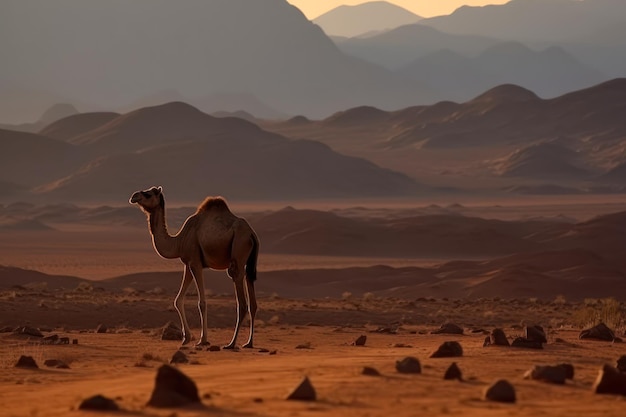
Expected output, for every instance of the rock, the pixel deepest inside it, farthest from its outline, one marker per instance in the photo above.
(26, 362)
(179, 357)
(448, 328)
(498, 338)
(525, 343)
(172, 388)
(27, 330)
(303, 392)
(368, 370)
(621, 363)
(453, 372)
(409, 365)
(610, 381)
(552, 374)
(535, 333)
(214, 348)
(386, 330)
(360, 341)
(74, 341)
(569, 370)
(101, 328)
(56, 363)
(6, 329)
(171, 332)
(501, 391)
(98, 403)
(599, 332)
(448, 350)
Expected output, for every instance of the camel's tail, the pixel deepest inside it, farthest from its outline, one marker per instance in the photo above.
(252, 259)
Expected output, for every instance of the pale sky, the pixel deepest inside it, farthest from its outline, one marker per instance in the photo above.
(424, 8)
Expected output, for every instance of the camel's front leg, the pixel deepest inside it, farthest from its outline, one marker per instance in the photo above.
(179, 304)
(242, 307)
(197, 274)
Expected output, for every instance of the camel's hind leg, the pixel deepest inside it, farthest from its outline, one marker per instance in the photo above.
(202, 307)
(179, 304)
(251, 310)
(241, 249)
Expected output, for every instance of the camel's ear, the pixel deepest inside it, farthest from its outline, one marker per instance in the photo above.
(159, 189)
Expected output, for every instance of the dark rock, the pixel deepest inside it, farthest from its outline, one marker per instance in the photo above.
(409, 365)
(621, 363)
(171, 332)
(368, 370)
(56, 363)
(535, 333)
(569, 370)
(552, 374)
(99, 403)
(101, 328)
(498, 338)
(501, 391)
(26, 362)
(360, 341)
(214, 348)
(525, 343)
(599, 332)
(179, 357)
(6, 329)
(448, 328)
(303, 392)
(27, 330)
(610, 381)
(52, 339)
(453, 372)
(172, 388)
(448, 350)
(386, 330)
(74, 341)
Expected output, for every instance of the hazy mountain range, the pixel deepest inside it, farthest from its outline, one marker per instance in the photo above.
(266, 58)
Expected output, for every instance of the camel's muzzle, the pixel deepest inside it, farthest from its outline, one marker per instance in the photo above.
(135, 198)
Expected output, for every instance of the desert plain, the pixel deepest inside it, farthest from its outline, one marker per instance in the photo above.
(75, 275)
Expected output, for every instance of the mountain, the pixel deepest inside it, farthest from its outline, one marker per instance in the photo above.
(532, 20)
(545, 161)
(52, 114)
(265, 48)
(364, 18)
(398, 47)
(102, 157)
(549, 73)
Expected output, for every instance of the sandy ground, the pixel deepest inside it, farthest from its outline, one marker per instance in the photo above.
(249, 382)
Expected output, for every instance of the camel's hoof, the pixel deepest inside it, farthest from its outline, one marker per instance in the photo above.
(231, 347)
(248, 346)
(186, 340)
(203, 343)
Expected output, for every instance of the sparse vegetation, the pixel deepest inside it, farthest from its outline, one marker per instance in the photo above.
(593, 311)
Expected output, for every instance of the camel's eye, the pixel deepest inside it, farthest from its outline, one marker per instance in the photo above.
(146, 194)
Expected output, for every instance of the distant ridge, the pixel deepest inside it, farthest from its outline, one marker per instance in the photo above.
(71, 126)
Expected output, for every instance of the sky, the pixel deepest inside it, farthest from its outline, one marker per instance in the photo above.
(424, 8)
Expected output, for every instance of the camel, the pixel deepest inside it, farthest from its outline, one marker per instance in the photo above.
(213, 238)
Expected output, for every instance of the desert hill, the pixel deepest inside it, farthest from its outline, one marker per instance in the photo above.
(434, 143)
(543, 161)
(364, 18)
(52, 114)
(68, 127)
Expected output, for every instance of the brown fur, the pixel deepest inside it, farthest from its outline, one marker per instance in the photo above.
(212, 202)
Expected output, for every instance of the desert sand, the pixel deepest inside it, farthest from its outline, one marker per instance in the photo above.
(70, 277)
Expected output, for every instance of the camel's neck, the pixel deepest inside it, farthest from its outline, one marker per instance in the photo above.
(167, 246)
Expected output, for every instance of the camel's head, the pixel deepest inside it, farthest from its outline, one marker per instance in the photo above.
(149, 200)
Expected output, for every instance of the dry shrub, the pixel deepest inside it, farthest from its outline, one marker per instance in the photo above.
(607, 310)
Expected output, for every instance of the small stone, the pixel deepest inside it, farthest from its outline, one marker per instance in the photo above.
(98, 403)
(360, 341)
(448, 328)
(101, 328)
(303, 392)
(74, 341)
(306, 345)
(171, 332)
(30, 331)
(214, 348)
(448, 350)
(501, 391)
(498, 338)
(453, 372)
(179, 357)
(552, 374)
(172, 388)
(599, 332)
(535, 333)
(368, 370)
(409, 365)
(610, 381)
(26, 362)
(569, 370)
(621, 363)
(263, 350)
(525, 343)
(56, 363)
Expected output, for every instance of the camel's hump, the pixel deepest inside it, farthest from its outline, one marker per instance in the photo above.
(210, 203)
